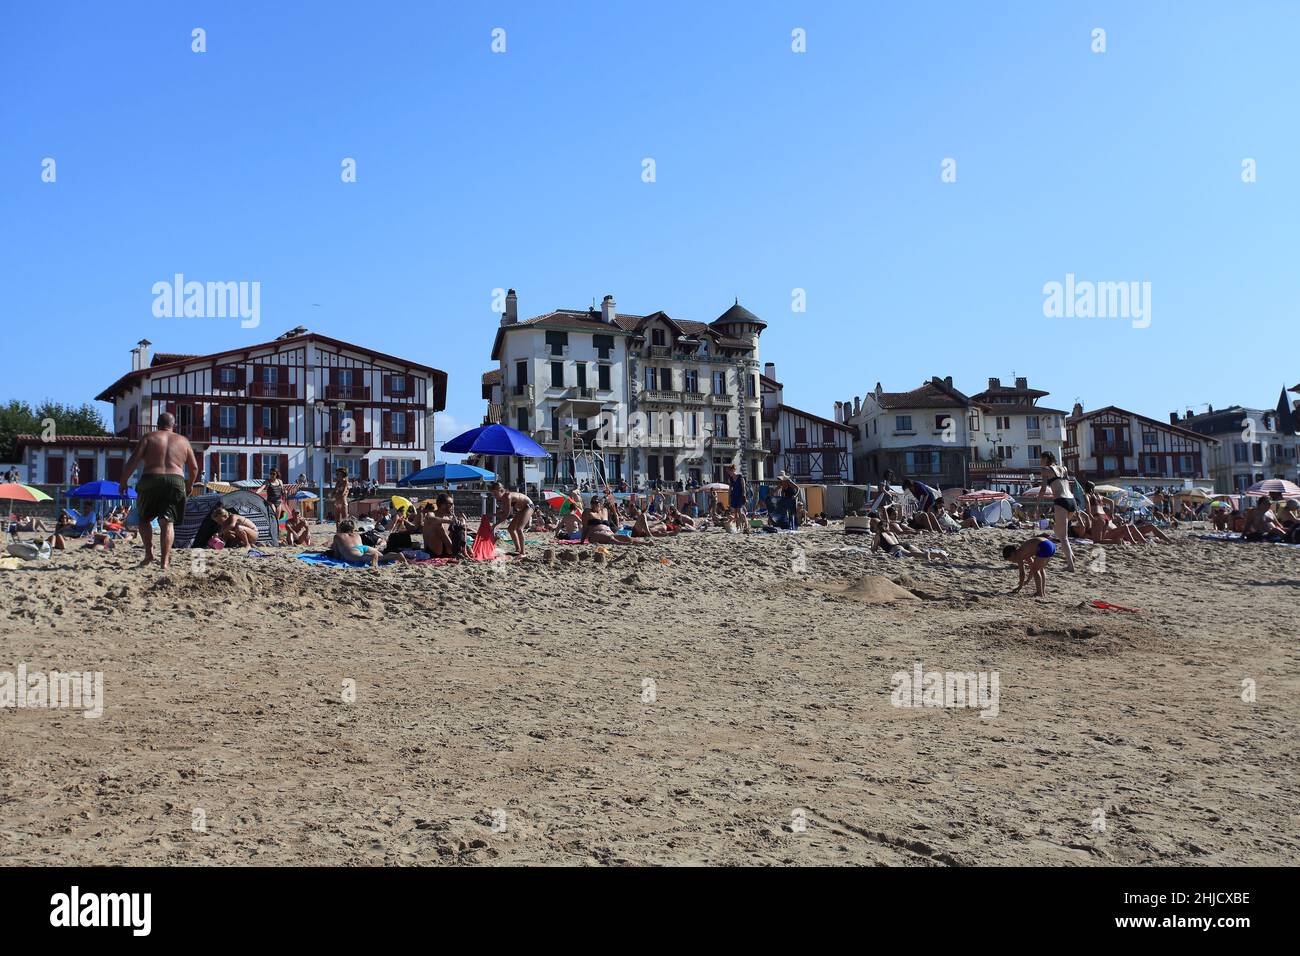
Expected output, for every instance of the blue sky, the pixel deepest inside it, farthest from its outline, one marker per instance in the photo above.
(775, 171)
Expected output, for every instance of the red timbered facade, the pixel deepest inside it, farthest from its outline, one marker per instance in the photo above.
(1111, 442)
(304, 403)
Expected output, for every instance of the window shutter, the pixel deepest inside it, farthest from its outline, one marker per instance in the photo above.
(388, 426)
(379, 470)
(241, 376)
(242, 471)
(284, 423)
(284, 468)
(257, 422)
(388, 385)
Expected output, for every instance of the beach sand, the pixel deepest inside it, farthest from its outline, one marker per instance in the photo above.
(712, 699)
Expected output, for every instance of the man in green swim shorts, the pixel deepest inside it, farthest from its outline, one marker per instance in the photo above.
(167, 458)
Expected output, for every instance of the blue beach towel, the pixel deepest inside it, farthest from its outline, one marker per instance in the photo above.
(326, 561)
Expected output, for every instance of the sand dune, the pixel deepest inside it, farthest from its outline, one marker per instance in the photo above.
(712, 699)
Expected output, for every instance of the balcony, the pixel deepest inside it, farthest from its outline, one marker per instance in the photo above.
(273, 390)
(580, 393)
(199, 434)
(660, 397)
(347, 393)
(660, 351)
(1033, 433)
(720, 398)
(1112, 448)
(359, 439)
(753, 444)
(693, 398)
(725, 441)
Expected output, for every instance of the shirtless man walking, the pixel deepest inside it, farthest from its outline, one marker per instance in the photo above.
(167, 458)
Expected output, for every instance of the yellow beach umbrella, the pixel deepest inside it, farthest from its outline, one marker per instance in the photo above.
(1107, 489)
(400, 502)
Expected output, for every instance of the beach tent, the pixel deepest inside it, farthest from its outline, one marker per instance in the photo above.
(995, 511)
(198, 526)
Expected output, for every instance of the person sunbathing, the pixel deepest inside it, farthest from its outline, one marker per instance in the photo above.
(347, 545)
(570, 523)
(438, 524)
(296, 529)
(1147, 528)
(598, 527)
(892, 524)
(1030, 558)
(234, 529)
(643, 524)
(1261, 524)
(675, 519)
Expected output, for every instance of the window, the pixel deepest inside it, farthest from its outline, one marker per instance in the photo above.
(902, 423)
(557, 375)
(1003, 423)
(692, 425)
(521, 419)
(399, 426)
(602, 377)
(268, 420)
(753, 386)
(942, 421)
(582, 374)
(657, 337)
(801, 436)
(691, 381)
(922, 462)
(390, 470)
(1149, 438)
(753, 425)
(270, 375)
(557, 342)
(555, 424)
(1031, 423)
(1153, 465)
(521, 377)
(1035, 452)
(226, 376)
(351, 465)
(228, 466)
(666, 379)
(719, 425)
(397, 385)
(604, 344)
(973, 422)
(227, 418)
(343, 377)
(266, 463)
(652, 379)
(719, 383)
(1185, 465)
(1005, 452)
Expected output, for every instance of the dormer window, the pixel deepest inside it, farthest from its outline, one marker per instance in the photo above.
(657, 337)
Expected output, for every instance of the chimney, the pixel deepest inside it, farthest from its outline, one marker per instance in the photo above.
(839, 412)
(995, 383)
(1078, 410)
(1022, 382)
(135, 360)
(1210, 410)
(879, 391)
(947, 380)
(1173, 418)
(857, 405)
(511, 315)
(769, 370)
(607, 310)
(143, 346)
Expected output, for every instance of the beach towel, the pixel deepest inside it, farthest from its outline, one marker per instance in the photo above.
(326, 561)
(485, 545)
(1103, 606)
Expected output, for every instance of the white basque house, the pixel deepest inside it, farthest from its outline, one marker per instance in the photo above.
(304, 403)
(693, 385)
(923, 433)
(1010, 433)
(808, 447)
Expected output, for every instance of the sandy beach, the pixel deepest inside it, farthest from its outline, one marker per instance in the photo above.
(713, 699)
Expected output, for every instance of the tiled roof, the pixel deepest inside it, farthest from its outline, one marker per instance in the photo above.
(439, 377)
(492, 377)
(589, 320)
(166, 358)
(83, 441)
(930, 395)
(1075, 419)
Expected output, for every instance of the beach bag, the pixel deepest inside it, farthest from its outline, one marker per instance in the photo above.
(215, 542)
(29, 551)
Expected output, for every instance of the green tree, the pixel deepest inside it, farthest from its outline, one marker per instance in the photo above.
(19, 418)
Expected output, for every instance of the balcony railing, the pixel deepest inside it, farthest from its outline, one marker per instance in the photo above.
(581, 393)
(660, 395)
(693, 398)
(1112, 448)
(273, 390)
(358, 439)
(725, 441)
(356, 393)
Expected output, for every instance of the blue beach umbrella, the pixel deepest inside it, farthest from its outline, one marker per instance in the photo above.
(101, 491)
(445, 472)
(495, 440)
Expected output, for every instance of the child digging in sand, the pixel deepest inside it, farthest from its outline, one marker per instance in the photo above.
(1031, 559)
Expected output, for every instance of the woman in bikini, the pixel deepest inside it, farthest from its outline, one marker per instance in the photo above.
(1102, 529)
(598, 525)
(1057, 478)
(515, 507)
